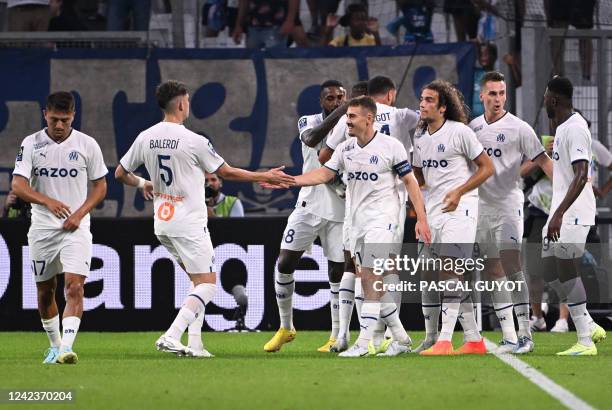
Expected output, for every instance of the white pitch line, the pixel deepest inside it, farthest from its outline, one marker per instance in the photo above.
(567, 398)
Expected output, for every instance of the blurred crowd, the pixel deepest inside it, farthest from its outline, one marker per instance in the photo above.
(279, 23)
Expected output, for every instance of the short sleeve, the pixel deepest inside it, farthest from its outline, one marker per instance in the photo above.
(469, 144)
(578, 145)
(208, 158)
(400, 163)
(336, 162)
(23, 161)
(338, 134)
(133, 158)
(304, 124)
(602, 155)
(531, 146)
(96, 168)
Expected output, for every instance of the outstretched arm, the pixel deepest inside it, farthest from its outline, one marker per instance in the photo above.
(318, 176)
(274, 176)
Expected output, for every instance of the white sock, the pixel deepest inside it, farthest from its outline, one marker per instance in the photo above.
(390, 315)
(71, 327)
(194, 306)
(396, 296)
(194, 332)
(284, 286)
(520, 298)
(502, 303)
(346, 295)
(334, 296)
(370, 313)
(450, 310)
(379, 331)
(52, 327)
(358, 297)
(559, 290)
(468, 319)
(394, 279)
(431, 313)
(577, 302)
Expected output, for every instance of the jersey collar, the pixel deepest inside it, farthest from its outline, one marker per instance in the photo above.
(55, 142)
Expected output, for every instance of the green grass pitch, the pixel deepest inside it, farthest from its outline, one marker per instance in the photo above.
(123, 370)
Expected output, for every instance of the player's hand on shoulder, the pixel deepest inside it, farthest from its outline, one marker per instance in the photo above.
(147, 190)
(57, 208)
(451, 200)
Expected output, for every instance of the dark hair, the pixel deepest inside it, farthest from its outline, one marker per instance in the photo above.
(331, 83)
(492, 76)
(61, 101)
(359, 88)
(561, 86)
(380, 85)
(365, 102)
(450, 97)
(166, 92)
(354, 8)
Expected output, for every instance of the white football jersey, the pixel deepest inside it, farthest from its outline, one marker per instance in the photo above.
(446, 161)
(372, 185)
(399, 123)
(572, 143)
(60, 171)
(601, 158)
(506, 141)
(320, 200)
(176, 159)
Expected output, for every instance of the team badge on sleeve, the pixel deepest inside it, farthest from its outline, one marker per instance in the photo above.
(19, 154)
(302, 123)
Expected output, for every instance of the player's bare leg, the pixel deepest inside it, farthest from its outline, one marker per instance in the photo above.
(74, 289)
(49, 315)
